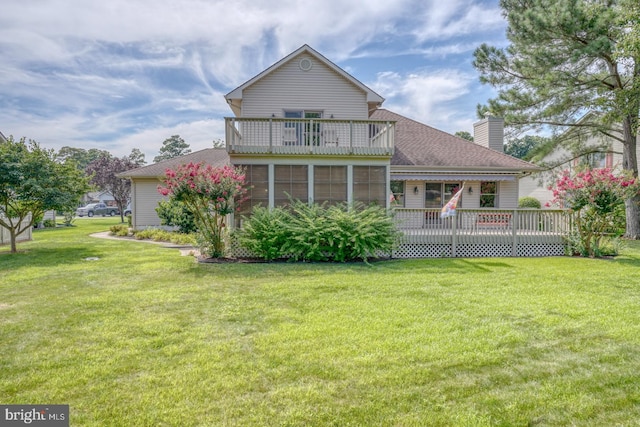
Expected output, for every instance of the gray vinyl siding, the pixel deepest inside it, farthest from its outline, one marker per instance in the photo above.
(145, 198)
(508, 194)
(291, 88)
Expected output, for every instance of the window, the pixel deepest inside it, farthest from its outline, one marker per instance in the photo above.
(397, 192)
(291, 180)
(594, 160)
(437, 194)
(257, 184)
(330, 184)
(370, 185)
(488, 194)
(304, 132)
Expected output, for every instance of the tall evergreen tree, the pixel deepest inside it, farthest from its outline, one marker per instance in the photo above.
(566, 58)
(172, 147)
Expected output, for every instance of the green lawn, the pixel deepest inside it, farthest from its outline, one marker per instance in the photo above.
(145, 337)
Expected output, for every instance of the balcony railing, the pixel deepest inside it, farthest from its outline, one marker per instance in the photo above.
(309, 136)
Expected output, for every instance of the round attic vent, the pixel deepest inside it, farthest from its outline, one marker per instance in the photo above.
(305, 64)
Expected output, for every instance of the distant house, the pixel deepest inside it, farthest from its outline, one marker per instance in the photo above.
(306, 128)
(602, 151)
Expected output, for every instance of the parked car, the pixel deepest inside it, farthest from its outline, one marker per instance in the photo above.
(127, 210)
(97, 209)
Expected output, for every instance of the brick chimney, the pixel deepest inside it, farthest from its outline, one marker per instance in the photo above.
(489, 132)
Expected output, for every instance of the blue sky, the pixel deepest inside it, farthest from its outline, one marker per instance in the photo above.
(123, 74)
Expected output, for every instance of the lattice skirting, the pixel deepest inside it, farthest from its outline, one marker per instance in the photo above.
(434, 250)
(466, 250)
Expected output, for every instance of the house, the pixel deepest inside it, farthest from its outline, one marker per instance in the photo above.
(306, 128)
(602, 151)
(102, 196)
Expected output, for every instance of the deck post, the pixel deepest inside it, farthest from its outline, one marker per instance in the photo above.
(270, 135)
(454, 237)
(514, 230)
(351, 137)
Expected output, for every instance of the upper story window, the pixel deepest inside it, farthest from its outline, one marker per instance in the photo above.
(302, 133)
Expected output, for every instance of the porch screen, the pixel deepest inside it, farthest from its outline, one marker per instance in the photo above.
(330, 184)
(292, 180)
(257, 185)
(370, 185)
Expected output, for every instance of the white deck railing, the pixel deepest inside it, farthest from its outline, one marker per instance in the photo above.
(484, 221)
(515, 229)
(309, 136)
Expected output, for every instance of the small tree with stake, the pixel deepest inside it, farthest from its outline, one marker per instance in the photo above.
(210, 194)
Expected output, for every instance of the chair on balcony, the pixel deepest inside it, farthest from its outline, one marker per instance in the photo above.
(330, 137)
(289, 136)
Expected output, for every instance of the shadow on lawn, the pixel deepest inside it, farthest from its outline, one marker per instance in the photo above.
(47, 257)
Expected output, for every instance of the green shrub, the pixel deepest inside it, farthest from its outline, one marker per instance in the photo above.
(264, 234)
(175, 214)
(49, 223)
(318, 233)
(529, 202)
(120, 230)
(147, 233)
(183, 239)
(159, 235)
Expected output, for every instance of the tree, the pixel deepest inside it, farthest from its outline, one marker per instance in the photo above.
(137, 157)
(81, 156)
(104, 171)
(567, 57)
(171, 148)
(210, 194)
(32, 181)
(521, 147)
(593, 196)
(464, 135)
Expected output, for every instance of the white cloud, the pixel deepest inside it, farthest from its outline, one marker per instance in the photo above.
(124, 74)
(437, 98)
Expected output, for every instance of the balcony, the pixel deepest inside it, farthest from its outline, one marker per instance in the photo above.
(309, 136)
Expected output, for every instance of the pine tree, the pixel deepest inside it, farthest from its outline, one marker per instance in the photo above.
(567, 58)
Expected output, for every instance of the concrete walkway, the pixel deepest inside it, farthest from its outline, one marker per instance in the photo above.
(185, 250)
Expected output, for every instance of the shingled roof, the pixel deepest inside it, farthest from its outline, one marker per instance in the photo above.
(417, 144)
(216, 157)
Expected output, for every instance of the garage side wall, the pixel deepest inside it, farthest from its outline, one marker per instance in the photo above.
(144, 200)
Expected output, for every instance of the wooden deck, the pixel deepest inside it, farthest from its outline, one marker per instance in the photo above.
(482, 232)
